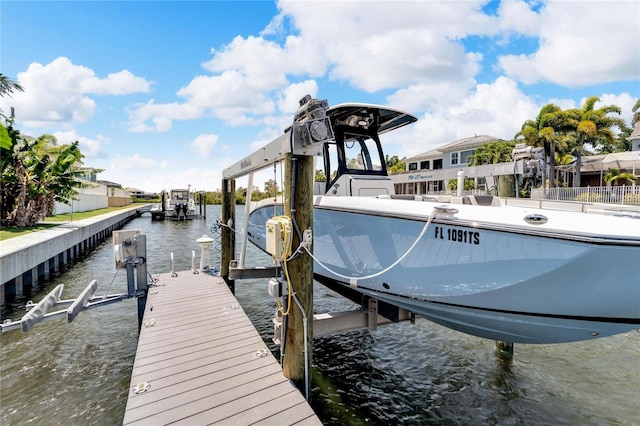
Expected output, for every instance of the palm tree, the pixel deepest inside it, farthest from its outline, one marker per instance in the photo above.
(494, 153)
(636, 114)
(614, 177)
(34, 178)
(562, 160)
(7, 87)
(544, 131)
(491, 153)
(592, 126)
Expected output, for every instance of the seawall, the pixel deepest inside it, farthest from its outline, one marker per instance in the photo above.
(32, 258)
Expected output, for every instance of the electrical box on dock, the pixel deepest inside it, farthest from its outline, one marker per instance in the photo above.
(278, 231)
(275, 288)
(274, 238)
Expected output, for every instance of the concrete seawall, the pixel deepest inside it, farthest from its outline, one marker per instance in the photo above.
(32, 258)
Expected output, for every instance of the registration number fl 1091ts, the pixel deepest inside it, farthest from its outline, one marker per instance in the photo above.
(457, 235)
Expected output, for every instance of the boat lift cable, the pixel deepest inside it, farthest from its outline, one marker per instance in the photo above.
(354, 280)
(111, 283)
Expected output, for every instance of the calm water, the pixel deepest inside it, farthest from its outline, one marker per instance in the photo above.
(78, 374)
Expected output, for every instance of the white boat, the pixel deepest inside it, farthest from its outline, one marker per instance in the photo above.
(471, 263)
(179, 205)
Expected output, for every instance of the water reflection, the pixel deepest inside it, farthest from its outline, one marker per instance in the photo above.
(78, 374)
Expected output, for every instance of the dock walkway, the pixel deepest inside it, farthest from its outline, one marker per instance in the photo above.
(201, 361)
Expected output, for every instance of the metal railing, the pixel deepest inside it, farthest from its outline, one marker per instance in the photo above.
(591, 194)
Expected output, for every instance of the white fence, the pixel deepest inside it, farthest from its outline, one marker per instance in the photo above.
(93, 196)
(594, 194)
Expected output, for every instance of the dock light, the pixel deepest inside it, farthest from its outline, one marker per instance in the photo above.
(311, 125)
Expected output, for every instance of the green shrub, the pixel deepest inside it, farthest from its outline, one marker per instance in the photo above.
(589, 197)
(631, 198)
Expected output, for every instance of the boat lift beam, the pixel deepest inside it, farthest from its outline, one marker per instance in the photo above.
(311, 128)
(130, 253)
(362, 319)
(39, 312)
(237, 272)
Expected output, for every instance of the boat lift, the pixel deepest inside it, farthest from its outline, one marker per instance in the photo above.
(130, 254)
(310, 129)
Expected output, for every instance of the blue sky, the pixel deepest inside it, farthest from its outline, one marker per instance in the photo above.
(167, 94)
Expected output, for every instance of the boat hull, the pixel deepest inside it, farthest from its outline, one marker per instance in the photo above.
(507, 285)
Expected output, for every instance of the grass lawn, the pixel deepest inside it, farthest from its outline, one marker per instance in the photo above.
(13, 231)
(66, 217)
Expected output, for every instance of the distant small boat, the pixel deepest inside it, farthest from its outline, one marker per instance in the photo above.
(179, 205)
(513, 274)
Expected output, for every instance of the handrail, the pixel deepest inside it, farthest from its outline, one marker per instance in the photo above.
(624, 194)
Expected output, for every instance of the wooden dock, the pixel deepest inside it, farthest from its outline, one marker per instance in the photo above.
(201, 361)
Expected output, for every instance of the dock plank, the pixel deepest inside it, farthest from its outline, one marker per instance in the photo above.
(204, 362)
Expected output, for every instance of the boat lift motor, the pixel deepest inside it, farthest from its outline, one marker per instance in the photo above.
(311, 127)
(531, 159)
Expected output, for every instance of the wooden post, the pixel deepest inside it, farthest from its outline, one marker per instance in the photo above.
(228, 237)
(504, 350)
(300, 268)
(141, 276)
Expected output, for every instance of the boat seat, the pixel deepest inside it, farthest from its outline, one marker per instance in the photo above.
(477, 200)
(437, 198)
(406, 197)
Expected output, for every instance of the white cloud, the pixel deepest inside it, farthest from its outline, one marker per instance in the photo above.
(497, 109)
(57, 94)
(517, 17)
(161, 116)
(229, 96)
(121, 83)
(623, 100)
(289, 97)
(380, 47)
(90, 148)
(203, 144)
(581, 43)
(151, 176)
(131, 162)
(414, 52)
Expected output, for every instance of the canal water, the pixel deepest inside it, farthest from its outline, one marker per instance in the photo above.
(420, 374)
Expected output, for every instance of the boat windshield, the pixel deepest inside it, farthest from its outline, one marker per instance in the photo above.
(361, 154)
(353, 154)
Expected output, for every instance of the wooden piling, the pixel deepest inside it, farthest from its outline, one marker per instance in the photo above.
(298, 187)
(228, 237)
(141, 276)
